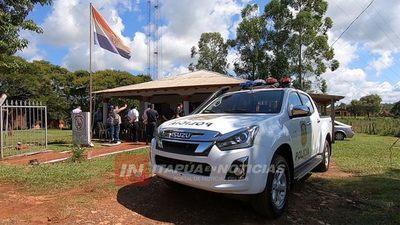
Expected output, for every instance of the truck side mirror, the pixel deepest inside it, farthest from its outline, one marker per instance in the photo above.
(299, 111)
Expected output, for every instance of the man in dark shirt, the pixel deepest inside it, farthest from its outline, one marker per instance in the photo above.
(152, 116)
(98, 118)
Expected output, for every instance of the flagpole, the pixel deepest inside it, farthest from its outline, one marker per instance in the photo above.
(90, 66)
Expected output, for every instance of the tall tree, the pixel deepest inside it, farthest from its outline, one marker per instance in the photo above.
(212, 52)
(12, 20)
(396, 109)
(355, 107)
(57, 87)
(250, 44)
(371, 104)
(299, 29)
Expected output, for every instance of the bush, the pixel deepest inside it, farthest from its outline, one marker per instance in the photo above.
(77, 154)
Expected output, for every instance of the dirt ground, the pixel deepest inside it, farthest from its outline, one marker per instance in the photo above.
(310, 202)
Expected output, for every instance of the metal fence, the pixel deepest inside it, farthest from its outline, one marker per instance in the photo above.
(23, 128)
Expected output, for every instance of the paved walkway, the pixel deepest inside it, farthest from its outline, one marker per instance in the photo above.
(52, 157)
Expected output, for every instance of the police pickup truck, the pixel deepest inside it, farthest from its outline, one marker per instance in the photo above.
(255, 142)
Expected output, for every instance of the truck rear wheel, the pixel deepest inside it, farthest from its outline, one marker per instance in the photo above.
(272, 201)
(326, 158)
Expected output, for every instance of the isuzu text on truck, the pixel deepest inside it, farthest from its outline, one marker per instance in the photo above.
(255, 142)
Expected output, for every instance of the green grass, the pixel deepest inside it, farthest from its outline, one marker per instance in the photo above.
(376, 183)
(58, 140)
(367, 154)
(386, 126)
(60, 176)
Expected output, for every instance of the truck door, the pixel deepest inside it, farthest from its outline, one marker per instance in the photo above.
(315, 126)
(300, 132)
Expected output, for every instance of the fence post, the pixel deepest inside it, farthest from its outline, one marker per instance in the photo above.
(45, 125)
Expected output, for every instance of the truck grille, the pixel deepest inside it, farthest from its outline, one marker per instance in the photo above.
(202, 169)
(182, 148)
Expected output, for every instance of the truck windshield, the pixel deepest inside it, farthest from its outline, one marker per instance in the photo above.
(247, 102)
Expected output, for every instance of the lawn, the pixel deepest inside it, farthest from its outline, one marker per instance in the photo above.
(58, 140)
(61, 176)
(376, 183)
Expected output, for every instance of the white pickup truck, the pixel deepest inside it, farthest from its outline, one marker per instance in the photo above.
(254, 142)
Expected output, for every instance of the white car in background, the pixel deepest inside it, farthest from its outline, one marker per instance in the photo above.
(343, 131)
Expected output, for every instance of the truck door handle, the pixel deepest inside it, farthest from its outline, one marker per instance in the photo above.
(318, 121)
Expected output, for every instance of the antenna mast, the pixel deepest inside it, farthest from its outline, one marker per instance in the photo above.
(153, 39)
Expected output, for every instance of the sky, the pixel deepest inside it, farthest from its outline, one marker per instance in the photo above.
(369, 52)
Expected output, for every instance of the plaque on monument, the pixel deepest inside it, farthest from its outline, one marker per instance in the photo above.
(81, 128)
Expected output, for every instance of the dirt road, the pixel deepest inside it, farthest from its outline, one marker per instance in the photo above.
(311, 202)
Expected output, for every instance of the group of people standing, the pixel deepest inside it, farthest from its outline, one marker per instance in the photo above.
(150, 118)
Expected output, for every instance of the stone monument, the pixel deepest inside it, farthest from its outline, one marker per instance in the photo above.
(81, 128)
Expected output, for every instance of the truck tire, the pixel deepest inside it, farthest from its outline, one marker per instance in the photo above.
(326, 158)
(272, 202)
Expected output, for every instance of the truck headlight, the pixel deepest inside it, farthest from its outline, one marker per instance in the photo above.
(243, 138)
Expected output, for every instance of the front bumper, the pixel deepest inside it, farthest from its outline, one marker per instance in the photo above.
(220, 162)
(350, 134)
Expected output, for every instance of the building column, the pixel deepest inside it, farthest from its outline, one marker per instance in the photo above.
(333, 119)
(186, 104)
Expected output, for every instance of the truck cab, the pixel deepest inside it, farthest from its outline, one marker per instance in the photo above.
(255, 142)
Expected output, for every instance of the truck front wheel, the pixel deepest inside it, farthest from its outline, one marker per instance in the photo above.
(273, 200)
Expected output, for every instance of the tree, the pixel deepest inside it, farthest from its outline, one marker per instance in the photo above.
(55, 86)
(355, 107)
(396, 109)
(323, 86)
(212, 52)
(299, 37)
(371, 104)
(250, 44)
(12, 20)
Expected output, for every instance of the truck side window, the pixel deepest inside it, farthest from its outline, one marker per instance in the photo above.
(307, 102)
(294, 100)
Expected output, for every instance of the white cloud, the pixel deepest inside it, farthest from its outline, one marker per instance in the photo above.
(352, 84)
(384, 62)
(376, 28)
(32, 52)
(67, 26)
(372, 33)
(186, 24)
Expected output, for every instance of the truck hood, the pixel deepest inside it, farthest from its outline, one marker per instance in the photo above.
(222, 123)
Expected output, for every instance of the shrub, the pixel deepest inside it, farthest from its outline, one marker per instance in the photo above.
(385, 126)
(78, 154)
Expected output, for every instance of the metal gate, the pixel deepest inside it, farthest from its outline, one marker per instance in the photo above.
(23, 128)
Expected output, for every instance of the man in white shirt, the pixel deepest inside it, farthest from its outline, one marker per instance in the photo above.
(133, 116)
